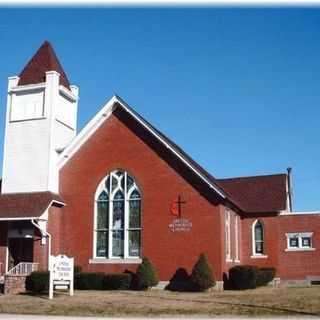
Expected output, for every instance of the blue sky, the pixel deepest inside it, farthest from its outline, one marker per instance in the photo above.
(238, 89)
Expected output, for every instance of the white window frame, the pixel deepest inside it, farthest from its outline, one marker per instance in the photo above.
(110, 258)
(236, 233)
(228, 235)
(299, 236)
(253, 237)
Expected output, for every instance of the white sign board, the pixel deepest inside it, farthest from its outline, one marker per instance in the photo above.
(61, 273)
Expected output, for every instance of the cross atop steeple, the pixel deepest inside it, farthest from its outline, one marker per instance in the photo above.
(44, 60)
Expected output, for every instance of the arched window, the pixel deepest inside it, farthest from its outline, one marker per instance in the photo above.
(258, 238)
(117, 225)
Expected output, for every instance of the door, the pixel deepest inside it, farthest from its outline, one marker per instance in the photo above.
(20, 250)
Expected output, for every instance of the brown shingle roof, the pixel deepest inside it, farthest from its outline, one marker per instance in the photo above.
(257, 194)
(26, 205)
(250, 194)
(44, 60)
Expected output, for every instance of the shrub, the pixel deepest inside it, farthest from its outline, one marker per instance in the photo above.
(38, 282)
(264, 276)
(202, 275)
(77, 269)
(147, 275)
(117, 281)
(89, 281)
(181, 281)
(243, 277)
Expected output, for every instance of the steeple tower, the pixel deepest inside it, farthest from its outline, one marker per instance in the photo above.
(41, 121)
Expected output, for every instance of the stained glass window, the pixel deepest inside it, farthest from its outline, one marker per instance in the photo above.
(118, 217)
(258, 238)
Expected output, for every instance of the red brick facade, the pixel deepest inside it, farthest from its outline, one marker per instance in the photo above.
(119, 143)
(222, 211)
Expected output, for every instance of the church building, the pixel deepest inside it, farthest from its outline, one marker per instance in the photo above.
(120, 190)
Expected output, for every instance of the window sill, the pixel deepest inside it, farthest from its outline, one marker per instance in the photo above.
(299, 249)
(115, 261)
(229, 260)
(260, 256)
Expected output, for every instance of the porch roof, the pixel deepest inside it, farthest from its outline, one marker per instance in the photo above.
(23, 206)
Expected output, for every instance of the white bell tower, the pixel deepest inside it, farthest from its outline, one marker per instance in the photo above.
(41, 121)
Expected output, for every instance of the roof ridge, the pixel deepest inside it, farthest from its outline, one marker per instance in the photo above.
(249, 177)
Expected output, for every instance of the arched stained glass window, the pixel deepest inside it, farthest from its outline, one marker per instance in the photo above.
(118, 217)
(258, 238)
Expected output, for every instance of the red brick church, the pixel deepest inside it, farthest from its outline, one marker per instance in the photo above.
(119, 190)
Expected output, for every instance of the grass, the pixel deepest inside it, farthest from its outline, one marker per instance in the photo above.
(258, 302)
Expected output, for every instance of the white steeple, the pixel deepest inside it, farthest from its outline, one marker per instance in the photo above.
(41, 121)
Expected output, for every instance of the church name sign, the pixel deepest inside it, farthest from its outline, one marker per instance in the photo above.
(61, 273)
(179, 224)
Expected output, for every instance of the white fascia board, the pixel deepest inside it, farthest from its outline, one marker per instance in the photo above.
(64, 91)
(103, 114)
(28, 87)
(86, 133)
(305, 213)
(17, 219)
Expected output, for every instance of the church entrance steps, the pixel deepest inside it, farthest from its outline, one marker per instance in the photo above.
(14, 284)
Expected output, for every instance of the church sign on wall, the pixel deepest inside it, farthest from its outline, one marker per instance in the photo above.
(179, 224)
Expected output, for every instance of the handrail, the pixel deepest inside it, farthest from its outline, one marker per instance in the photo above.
(24, 268)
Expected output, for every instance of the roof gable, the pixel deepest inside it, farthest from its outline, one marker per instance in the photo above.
(249, 194)
(106, 111)
(44, 60)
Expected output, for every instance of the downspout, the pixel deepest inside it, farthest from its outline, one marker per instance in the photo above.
(289, 178)
(48, 235)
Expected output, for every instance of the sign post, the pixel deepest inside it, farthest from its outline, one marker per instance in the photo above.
(60, 273)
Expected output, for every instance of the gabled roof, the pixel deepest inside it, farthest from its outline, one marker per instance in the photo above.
(106, 111)
(257, 194)
(44, 60)
(250, 194)
(26, 205)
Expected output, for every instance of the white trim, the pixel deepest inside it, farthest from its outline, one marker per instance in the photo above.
(259, 256)
(299, 236)
(236, 235)
(227, 228)
(285, 213)
(16, 219)
(103, 114)
(27, 87)
(115, 261)
(299, 249)
(67, 93)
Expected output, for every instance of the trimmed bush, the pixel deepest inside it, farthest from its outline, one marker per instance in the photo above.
(264, 276)
(38, 282)
(181, 281)
(243, 277)
(117, 281)
(202, 275)
(89, 281)
(77, 269)
(147, 275)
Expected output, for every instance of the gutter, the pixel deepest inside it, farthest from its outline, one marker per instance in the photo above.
(48, 235)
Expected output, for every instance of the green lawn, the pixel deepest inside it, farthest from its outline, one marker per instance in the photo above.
(262, 301)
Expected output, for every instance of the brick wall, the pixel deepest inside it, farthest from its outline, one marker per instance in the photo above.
(120, 143)
(14, 284)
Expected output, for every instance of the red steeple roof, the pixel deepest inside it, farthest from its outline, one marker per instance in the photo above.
(44, 60)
